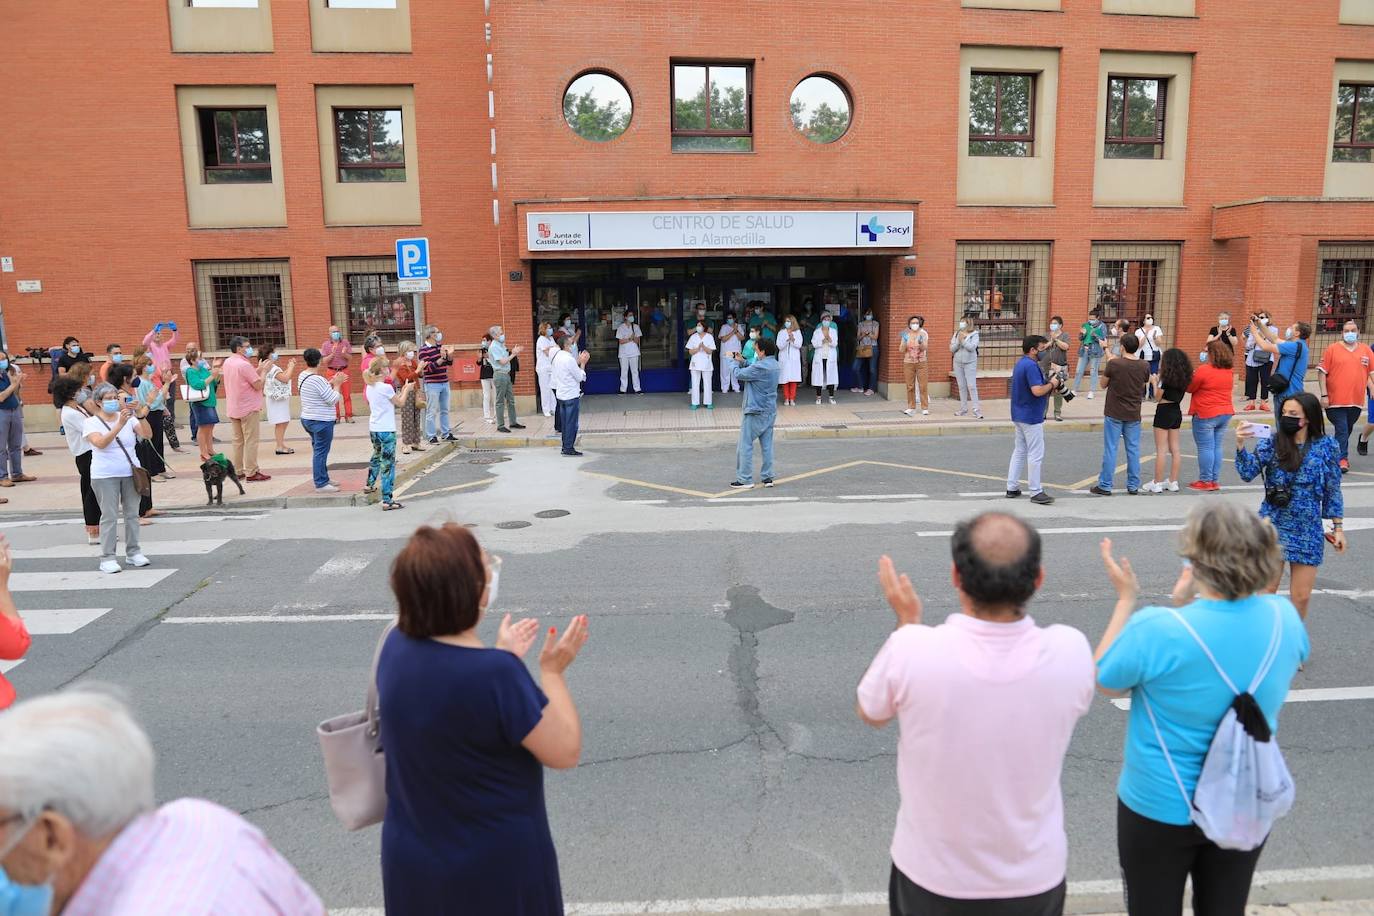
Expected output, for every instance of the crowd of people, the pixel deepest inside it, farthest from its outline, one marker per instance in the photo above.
(986, 704)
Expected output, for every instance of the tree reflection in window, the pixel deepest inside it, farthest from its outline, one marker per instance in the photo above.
(371, 144)
(597, 107)
(1001, 120)
(711, 107)
(234, 147)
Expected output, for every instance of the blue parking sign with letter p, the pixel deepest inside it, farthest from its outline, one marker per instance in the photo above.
(412, 259)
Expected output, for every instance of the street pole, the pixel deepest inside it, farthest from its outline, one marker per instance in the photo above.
(417, 300)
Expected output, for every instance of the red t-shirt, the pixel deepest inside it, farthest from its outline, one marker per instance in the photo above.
(1211, 390)
(14, 642)
(1347, 373)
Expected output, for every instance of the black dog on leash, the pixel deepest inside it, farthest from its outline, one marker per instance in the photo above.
(214, 473)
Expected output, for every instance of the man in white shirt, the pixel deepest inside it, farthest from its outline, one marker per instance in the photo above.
(731, 342)
(700, 346)
(629, 335)
(568, 374)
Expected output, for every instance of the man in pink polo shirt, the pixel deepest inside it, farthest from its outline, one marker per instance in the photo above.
(242, 384)
(986, 704)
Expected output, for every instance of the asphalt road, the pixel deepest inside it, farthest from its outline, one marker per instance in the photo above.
(722, 757)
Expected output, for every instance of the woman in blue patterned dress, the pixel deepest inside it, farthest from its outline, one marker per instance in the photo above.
(1301, 462)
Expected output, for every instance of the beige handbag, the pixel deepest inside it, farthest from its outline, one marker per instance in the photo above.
(354, 764)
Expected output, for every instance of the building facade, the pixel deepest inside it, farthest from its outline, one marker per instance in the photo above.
(994, 161)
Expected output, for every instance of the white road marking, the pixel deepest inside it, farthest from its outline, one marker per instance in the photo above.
(343, 566)
(156, 548)
(161, 520)
(92, 579)
(889, 496)
(645, 502)
(1091, 529)
(1307, 695)
(60, 621)
(283, 618)
(726, 500)
(810, 902)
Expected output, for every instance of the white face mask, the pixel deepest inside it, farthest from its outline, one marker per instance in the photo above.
(1149, 322)
(1054, 325)
(438, 337)
(700, 328)
(915, 325)
(1223, 322)
(493, 588)
(963, 325)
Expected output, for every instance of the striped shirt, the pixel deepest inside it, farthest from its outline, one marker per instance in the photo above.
(435, 364)
(318, 397)
(192, 858)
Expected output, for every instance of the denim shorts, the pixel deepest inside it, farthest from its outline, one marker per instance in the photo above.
(205, 416)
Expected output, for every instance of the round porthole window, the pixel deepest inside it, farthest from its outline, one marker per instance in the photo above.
(597, 106)
(821, 109)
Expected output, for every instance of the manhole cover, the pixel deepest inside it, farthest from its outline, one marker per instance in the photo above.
(512, 525)
(552, 513)
(469, 524)
(494, 459)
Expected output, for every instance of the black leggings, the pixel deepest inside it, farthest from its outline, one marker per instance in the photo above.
(907, 898)
(1156, 860)
(90, 506)
(1257, 381)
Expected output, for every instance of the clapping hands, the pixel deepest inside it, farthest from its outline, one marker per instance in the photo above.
(1120, 572)
(516, 638)
(900, 593)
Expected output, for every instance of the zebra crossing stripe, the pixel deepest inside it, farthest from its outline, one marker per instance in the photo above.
(89, 579)
(61, 621)
(155, 548)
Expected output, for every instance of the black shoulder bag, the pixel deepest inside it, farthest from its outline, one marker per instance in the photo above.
(1278, 382)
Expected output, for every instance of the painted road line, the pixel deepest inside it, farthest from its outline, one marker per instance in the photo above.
(1103, 529)
(1120, 468)
(681, 491)
(917, 467)
(282, 618)
(93, 579)
(645, 502)
(819, 902)
(450, 489)
(61, 621)
(156, 548)
(405, 487)
(1308, 695)
(753, 499)
(161, 520)
(344, 566)
(888, 496)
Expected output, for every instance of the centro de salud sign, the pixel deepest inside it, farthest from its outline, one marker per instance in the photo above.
(654, 230)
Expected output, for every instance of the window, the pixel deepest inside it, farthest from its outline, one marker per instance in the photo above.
(361, 4)
(1343, 294)
(1127, 289)
(233, 145)
(711, 107)
(1001, 117)
(821, 109)
(1131, 280)
(251, 298)
(597, 107)
(1135, 118)
(1354, 140)
(222, 4)
(370, 144)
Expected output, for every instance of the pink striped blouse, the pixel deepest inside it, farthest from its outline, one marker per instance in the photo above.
(192, 858)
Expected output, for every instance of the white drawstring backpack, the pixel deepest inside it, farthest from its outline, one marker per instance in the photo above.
(1245, 785)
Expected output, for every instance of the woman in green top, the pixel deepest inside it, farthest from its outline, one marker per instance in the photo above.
(203, 377)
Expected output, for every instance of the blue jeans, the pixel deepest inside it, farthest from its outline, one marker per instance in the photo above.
(1207, 435)
(754, 426)
(567, 423)
(382, 465)
(1343, 421)
(866, 371)
(321, 434)
(1083, 363)
(436, 409)
(1113, 432)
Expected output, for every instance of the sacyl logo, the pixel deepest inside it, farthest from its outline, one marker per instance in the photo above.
(873, 229)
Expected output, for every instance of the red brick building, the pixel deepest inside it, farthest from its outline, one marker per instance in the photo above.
(244, 166)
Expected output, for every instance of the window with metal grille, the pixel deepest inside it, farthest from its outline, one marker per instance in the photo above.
(1126, 289)
(712, 106)
(1354, 141)
(1345, 280)
(1132, 280)
(365, 299)
(1003, 290)
(1001, 114)
(1135, 117)
(370, 144)
(247, 298)
(233, 145)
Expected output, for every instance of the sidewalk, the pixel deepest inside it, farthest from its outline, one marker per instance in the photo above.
(57, 489)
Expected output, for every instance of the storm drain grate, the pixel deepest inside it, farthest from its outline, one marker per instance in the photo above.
(834, 426)
(552, 513)
(508, 526)
(494, 459)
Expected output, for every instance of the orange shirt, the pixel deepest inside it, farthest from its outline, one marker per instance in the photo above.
(1211, 391)
(1347, 373)
(14, 642)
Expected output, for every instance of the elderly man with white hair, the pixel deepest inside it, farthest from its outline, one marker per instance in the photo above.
(80, 835)
(500, 359)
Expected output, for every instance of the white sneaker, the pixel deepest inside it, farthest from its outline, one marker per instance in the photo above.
(1090, 395)
(92, 539)
(818, 400)
(327, 488)
(110, 566)
(1153, 487)
(139, 560)
(925, 413)
(832, 401)
(1172, 485)
(910, 412)
(169, 475)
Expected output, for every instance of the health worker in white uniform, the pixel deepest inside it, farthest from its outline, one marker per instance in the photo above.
(700, 346)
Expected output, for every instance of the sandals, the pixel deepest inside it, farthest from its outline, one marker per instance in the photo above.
(287, 451)
(387, 507)
(371, 489)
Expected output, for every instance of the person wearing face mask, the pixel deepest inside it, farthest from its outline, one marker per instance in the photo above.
(700, 348)
(545, 348)
(406, 368)
(1224, 331)
(1258, 363)
(1301, 468)
(1090, 338)
(1054, 358)
(628, 336)
(825, 364)
(915, 348)
(761, 318)
(750, 351)
(468, 734)
(337, 350)
(566, 327)
(789, 342)
(435, 361)
(202, 386)
(67, 398)
(81, 833)
(487, 379)
(112, 433)
(114, 355)
(964, 346)
(1291, 357)
(1151, 339)
(72, 353)
(731, 344)
(186, 364)
(1346, 380)
(151, 394)
(277, 395)
(11, 425)
(243, 383)
(501, 358)
(372, 349)
(124, 378)
(866, 354)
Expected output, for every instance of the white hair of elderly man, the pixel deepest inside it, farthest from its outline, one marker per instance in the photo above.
(80, 753)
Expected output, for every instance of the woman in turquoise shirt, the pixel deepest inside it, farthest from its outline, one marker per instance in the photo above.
(1231, 556)
(203, 377)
